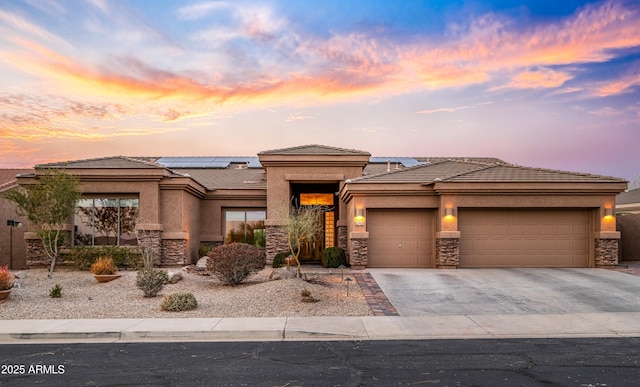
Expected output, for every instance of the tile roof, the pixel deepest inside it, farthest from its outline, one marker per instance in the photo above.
(8, 177)
(113, 162)
(629, 197)
(315, 149)
(479, 170)
(422, 173)
(515, 173)
(233, 178)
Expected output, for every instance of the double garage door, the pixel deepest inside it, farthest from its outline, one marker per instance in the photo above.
(489, 238)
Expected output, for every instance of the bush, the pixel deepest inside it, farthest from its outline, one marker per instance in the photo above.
(233, 263)
(203, 250)
(307, 297)
(280, 259)
(333, 257)
(127, 257)
(6, 278)
(56, 291)
(179, 302)
(151, 281)
(103, 265)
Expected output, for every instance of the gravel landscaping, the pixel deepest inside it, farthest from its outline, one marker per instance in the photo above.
(84, 297)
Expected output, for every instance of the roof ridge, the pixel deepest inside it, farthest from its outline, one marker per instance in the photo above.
(146, 162)
(586, 174)
(128, 158)
(293, 148)
(9, 184)
(394, 171)
(483, 166)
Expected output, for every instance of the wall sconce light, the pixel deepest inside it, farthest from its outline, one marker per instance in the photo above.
(449, 212)
(14, 223)
(608, 212)
(359, 219)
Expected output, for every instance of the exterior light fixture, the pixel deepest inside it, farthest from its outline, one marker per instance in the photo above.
(608, 211)
(14, 223)
(449, 212)
(359, 219)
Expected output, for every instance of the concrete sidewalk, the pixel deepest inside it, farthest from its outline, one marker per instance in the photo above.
(322, 328)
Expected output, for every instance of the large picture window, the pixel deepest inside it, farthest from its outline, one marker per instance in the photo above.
(106, 221)
(245, 226)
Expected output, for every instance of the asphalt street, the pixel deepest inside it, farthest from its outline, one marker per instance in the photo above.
(471, 362)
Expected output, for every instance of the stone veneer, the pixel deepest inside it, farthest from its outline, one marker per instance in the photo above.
(342, 237)
(359, 252)
(36, 255)
(606, 252)
(276, 241)
(150, 239)
(174, 252)
(447, 252)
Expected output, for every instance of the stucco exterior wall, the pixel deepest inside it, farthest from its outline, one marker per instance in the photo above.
(629, 227)
(12, 243)
(211, 216)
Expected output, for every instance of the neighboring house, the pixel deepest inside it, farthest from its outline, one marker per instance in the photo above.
(385, 212)
(12, 227)
(628, 223)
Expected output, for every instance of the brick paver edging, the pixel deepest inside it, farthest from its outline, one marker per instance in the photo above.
(378, 302)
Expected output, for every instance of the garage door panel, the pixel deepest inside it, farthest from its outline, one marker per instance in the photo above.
(400, 238)
(523, 238)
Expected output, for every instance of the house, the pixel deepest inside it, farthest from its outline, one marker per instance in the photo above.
(385, 212)
(628, 224)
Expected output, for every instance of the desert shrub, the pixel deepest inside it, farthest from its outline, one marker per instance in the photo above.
(203, 250)
(127, 257)
(56, 291)
(178, 302)
(151, 281)
(307, 297)
(233, 263)
(103, 265)
(333, 257)
(280, 259)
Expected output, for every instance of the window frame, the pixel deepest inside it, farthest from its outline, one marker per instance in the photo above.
(245, 211)
(133, 202)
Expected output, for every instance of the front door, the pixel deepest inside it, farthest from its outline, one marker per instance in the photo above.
(318, 195)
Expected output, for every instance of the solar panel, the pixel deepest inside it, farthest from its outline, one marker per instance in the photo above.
(207, 162)
(405, 161)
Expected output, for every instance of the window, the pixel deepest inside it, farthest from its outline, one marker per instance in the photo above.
(106, 221)
(245, 226)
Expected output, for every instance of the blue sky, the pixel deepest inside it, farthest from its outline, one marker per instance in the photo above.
(540, 83)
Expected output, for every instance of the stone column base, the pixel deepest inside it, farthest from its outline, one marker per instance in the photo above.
(342, 235)
(606, 252)
(276, 241)
(359, 254)
(447, 253)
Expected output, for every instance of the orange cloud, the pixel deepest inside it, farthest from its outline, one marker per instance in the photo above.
(618, 86)
(544, 78)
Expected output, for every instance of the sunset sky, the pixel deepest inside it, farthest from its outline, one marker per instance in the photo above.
(551, 84)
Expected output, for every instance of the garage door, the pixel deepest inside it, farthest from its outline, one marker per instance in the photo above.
(400, 238)
(524, 238)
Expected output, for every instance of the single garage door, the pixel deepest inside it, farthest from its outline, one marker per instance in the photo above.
(400, 238)
(524, 238)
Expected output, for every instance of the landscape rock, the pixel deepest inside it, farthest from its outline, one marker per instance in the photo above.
(282, 273)
(202, 264)
(20, 275)
(174, 276)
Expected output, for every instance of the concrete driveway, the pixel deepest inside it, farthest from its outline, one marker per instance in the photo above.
(424, 292)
